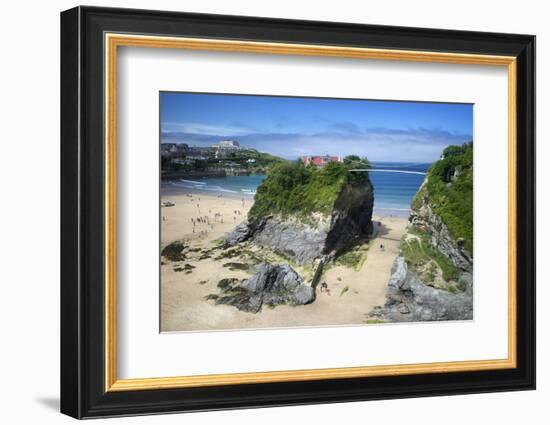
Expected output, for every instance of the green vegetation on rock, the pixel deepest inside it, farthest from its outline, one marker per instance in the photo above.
(300, 190)
(354, 257)
(421, 255)
(449, 191)
(375, 321)
(262, 160)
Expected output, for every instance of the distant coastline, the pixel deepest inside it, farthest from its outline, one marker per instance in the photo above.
(180, 187)
(175, 175)
(393, 192)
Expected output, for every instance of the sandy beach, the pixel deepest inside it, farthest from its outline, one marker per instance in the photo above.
(201, 220)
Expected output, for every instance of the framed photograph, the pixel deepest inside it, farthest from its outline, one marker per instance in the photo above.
(261, 212)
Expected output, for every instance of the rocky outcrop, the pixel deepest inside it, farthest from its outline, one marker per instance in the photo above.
(272, 285)
(174, 251)
(350, 221)
(425, 218)
(410, 300)
(289, 238)
(240, 233)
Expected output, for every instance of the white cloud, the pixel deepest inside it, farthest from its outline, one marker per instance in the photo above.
(205, 129)
(378, 144)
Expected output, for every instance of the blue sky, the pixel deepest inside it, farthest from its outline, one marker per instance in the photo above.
(290, 126)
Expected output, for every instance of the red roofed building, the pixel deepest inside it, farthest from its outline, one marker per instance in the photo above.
(320, 161)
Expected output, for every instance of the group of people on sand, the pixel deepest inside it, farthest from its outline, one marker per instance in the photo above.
(201, 219)
(205, 219)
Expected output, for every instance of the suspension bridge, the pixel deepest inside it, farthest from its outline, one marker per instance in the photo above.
(381, 170)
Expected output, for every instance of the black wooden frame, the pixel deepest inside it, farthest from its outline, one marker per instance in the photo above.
(82, 203)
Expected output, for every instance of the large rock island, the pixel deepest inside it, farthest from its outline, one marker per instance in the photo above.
(307, 215)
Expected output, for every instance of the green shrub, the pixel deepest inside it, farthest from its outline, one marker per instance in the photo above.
(353, 258)
(300, 190)
(375, 321)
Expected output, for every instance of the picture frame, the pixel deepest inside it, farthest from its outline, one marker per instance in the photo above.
(90, 40)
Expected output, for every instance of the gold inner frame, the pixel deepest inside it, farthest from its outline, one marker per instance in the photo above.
(113, 41)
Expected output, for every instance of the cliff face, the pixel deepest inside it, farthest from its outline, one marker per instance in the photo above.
(423, 217)
(351, 217)
(312, 230)
(443, 206)
(432, 277)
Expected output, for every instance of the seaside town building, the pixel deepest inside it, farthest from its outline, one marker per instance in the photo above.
(229, 144)
(320, 161)
(182, 153)
(226, 147)
(173, 149)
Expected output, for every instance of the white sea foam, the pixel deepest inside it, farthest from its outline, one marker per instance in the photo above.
(216, 189)
(192, 181)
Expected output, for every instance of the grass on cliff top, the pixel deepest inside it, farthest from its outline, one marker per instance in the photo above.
(452, 198)
(299, 190)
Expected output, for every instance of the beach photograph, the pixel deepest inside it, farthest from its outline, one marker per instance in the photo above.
(280, 212)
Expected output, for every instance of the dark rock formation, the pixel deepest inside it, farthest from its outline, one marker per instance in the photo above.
(271, 285)
(174, 251)
(351, 218)
(239, 234)
(350, 221)
(410, 300)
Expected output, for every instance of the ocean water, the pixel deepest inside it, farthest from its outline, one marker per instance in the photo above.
(394, 188)
(394, 191)
(235, 186)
